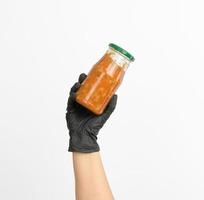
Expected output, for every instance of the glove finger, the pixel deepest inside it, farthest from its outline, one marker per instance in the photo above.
(110, 107)
(75, 87)
(82, 77)
(71, 101)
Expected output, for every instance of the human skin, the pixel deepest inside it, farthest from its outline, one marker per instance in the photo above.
(90, 178)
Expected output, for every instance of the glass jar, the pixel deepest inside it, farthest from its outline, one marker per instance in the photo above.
(104, 79)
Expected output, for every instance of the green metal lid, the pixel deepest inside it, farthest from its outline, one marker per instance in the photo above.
(122, 51)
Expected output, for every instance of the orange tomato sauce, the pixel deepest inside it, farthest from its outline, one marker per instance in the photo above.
(100, 85)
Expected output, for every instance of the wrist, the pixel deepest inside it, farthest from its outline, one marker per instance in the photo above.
(82, 143)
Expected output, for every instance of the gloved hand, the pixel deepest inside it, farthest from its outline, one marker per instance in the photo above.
(84, 125)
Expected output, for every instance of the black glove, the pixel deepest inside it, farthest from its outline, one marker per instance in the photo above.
(84, 125)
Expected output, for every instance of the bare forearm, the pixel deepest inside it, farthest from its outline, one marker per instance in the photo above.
(90, 178)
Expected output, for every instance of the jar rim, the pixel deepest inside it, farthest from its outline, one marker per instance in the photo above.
(117, 48)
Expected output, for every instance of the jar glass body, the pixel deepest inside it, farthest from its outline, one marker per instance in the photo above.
(102, 81)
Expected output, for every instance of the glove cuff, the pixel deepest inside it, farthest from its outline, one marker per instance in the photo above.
(83, 150)
(84, 144)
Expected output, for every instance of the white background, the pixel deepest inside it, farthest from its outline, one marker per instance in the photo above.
(152, 146)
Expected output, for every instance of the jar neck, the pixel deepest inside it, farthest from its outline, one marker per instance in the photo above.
(118, 58)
